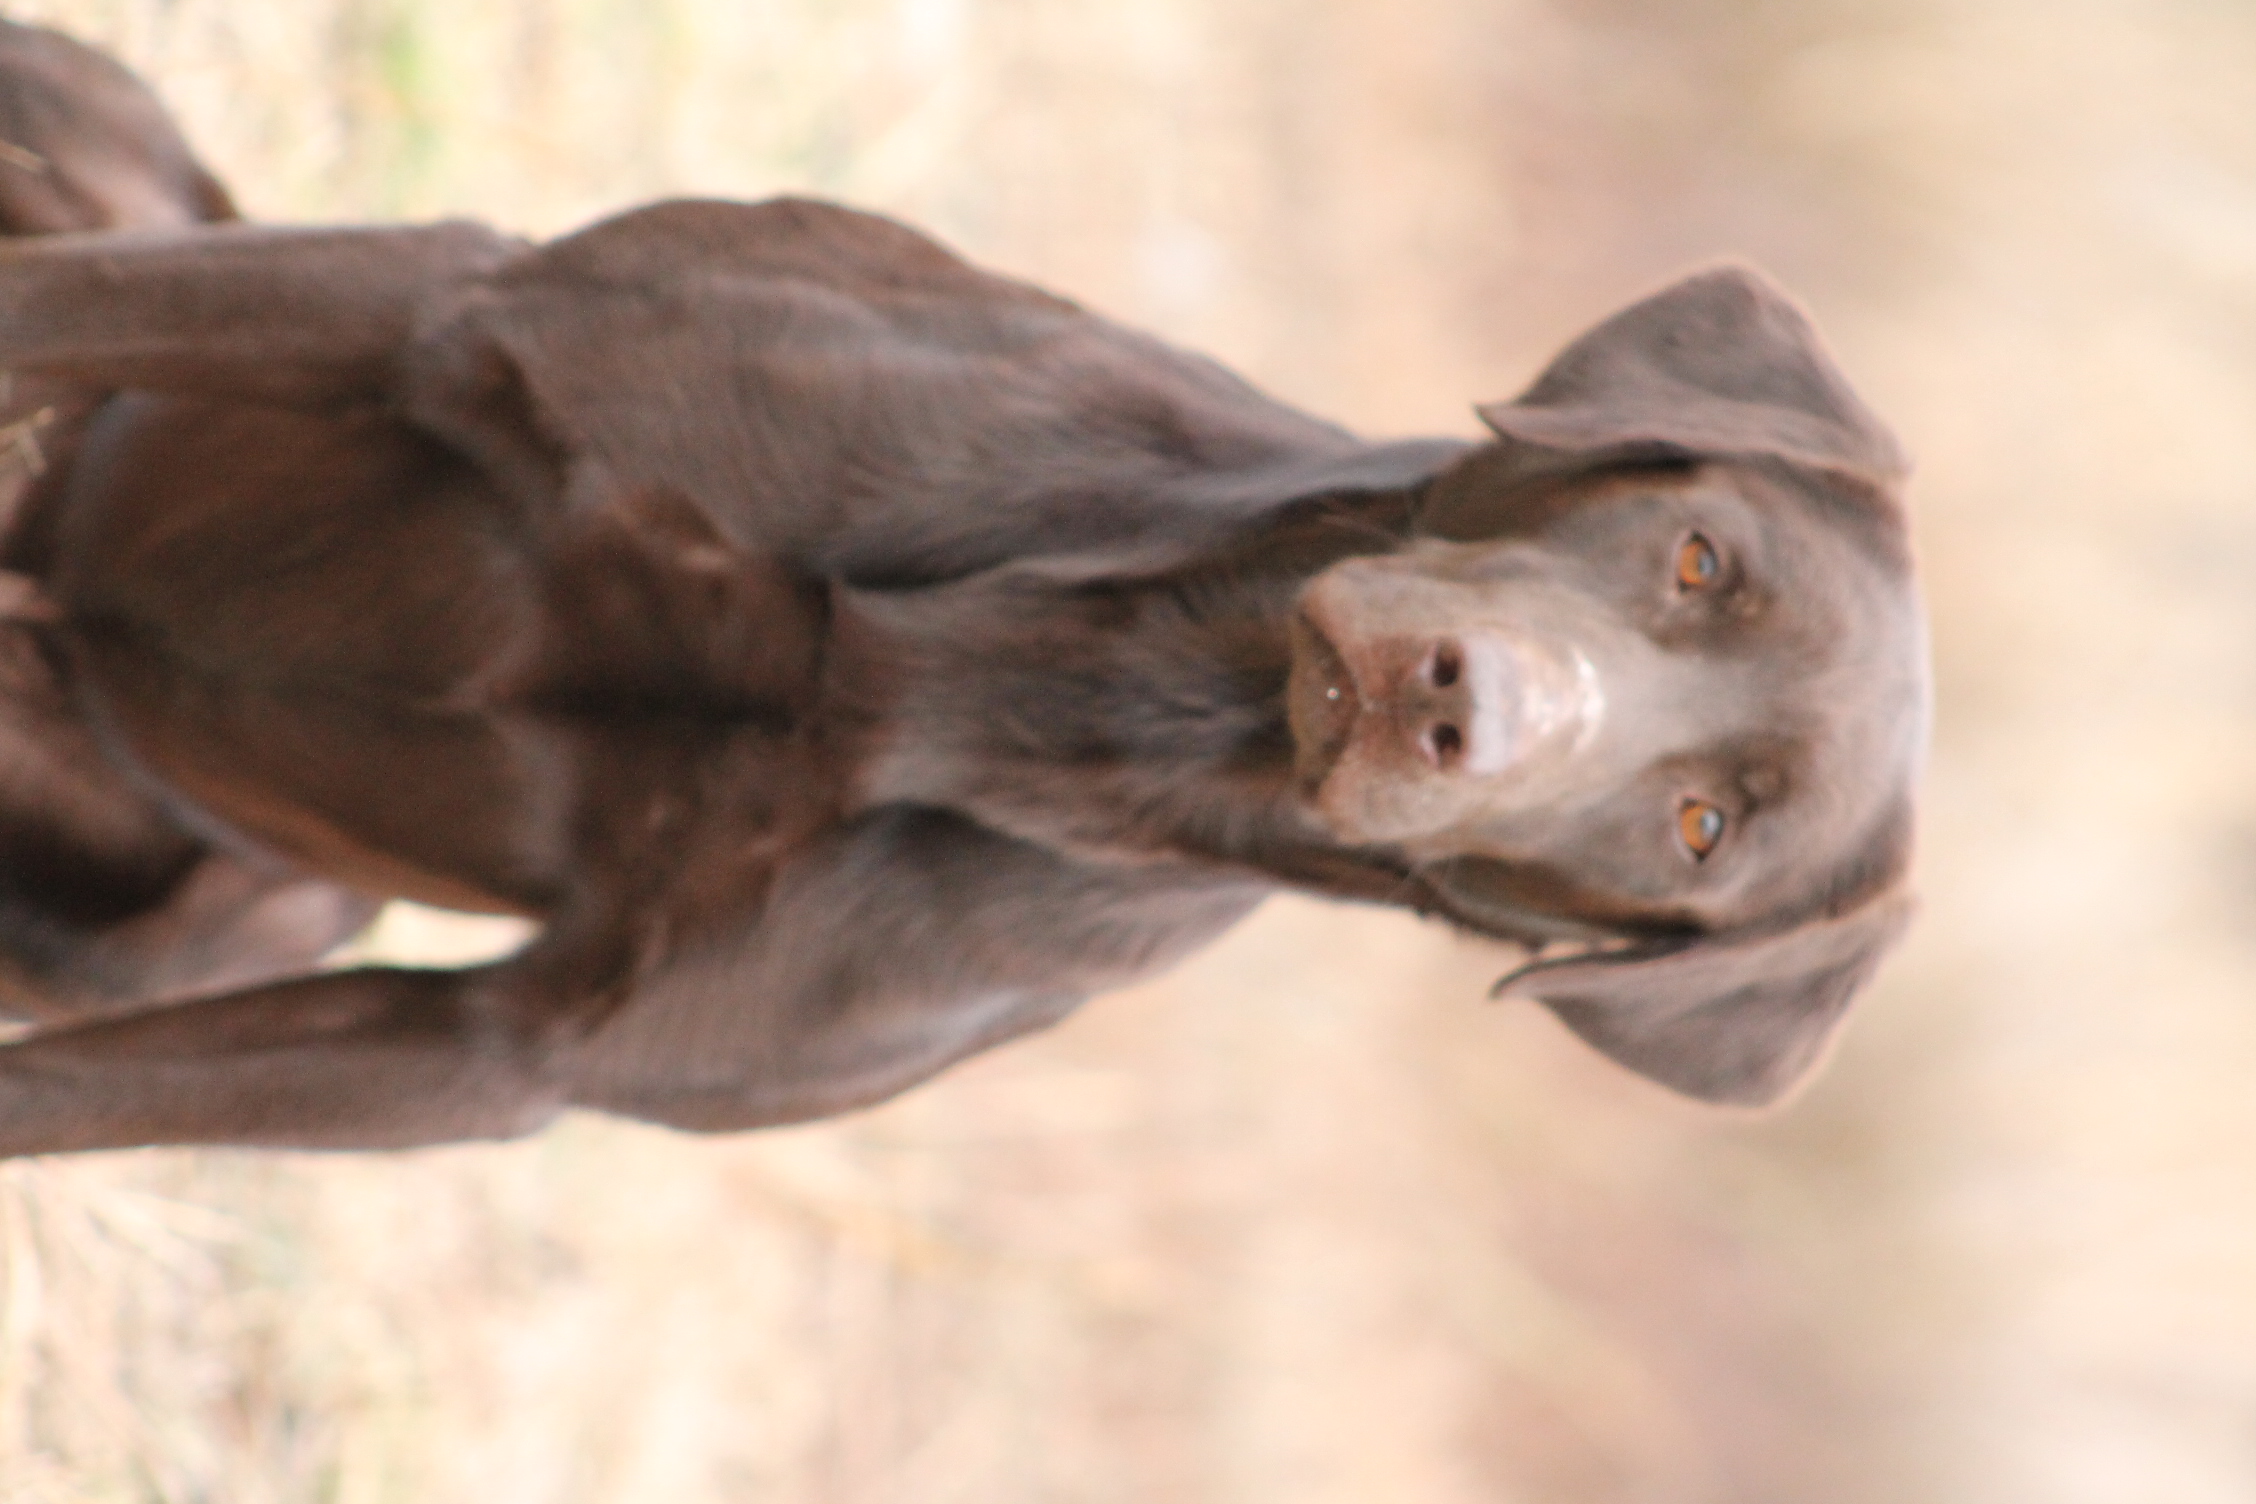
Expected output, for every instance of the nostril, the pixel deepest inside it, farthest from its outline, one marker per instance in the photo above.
(1448, 664)
(1446, 742)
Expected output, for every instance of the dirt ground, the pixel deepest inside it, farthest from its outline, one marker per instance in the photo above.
(1308, 1220)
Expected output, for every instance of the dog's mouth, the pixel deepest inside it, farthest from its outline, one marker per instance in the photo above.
(1321, 703)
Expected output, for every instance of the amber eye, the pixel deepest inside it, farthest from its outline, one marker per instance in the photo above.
(1697, 564)
(1699, 825)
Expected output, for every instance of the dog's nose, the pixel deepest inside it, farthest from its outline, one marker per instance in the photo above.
(1476, 703)
(1454, 704)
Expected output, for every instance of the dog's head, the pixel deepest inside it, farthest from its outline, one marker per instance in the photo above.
(1650, 676)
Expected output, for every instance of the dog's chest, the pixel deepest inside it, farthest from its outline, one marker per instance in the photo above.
(366, 659)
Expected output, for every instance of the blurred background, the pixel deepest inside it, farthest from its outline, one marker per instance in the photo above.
(1308, 1220)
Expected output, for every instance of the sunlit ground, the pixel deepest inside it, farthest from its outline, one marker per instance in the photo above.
(1308, 1221)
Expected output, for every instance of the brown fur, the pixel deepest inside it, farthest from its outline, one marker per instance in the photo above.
(853, 659)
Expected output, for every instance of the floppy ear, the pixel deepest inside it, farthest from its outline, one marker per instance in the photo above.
(1522, 902)
(1720, 363)
(1718, 1019)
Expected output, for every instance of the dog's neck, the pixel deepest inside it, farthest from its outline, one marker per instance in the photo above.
(1133, 719)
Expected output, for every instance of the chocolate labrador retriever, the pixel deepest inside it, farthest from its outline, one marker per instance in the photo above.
(852, 659)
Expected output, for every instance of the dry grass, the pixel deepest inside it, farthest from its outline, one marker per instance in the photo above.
(1305, 1222)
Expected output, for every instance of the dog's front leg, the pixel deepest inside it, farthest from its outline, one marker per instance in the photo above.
(375, 1058)
(306, 318)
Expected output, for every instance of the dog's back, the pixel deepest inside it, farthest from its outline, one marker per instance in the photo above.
(84, 145)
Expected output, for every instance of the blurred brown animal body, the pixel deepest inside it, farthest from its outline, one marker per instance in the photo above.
(853, 659)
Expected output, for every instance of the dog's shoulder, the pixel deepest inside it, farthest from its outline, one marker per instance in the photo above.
(838, 388)
(788, 239)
